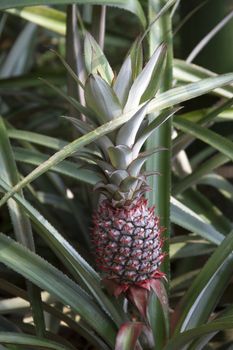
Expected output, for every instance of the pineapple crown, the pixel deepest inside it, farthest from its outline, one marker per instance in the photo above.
(119, 160)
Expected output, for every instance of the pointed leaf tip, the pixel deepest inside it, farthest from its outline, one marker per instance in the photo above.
(95, 60)
(146, 84)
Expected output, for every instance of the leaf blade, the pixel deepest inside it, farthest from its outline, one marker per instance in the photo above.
(10, 338)
(210, 137)
(131, 5)
(49, 278)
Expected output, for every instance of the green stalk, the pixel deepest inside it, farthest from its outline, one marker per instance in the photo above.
(160, 31)
(98, 24)
(161, 185)
(20, 223)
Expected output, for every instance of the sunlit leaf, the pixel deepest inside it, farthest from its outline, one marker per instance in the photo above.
(131, 5)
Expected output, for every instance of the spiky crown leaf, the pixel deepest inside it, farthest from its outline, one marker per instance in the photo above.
(120, 159)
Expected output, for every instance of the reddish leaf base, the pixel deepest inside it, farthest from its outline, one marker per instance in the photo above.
(138, 293)
(128, 335)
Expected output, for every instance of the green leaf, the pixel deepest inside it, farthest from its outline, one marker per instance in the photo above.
(154, 83)
(191, 248)
(120, 156)
(68, 150)
(16, 62)
(96, 62)
(47, 277)
(187, 72)
(187, 92)
(157, 313)
(147, 82)
(78, 106)
(204, 340)
(77, 266)
(188, 219)
(211, 214)
(127, 133)
(136, 54)
(74, 60)
(66, 168)
(164, 100)
(151, 127)
(53, 200)
(30, 341)
(70, 70)
(135, 166)
(38, 139)
(222, 144)
(131, 5)
(183, 339)
(20, 221)
(203, 169)
(8, 326)
(103, 142)
(44, 16)
(221, 184)
(31, 80)
(81, 327)
(124, 81)
(202, 117)
(101, 99)
(200, 300)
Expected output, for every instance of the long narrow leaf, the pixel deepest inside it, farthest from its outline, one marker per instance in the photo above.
(221, 184)
(200, 300)
(207, 210)
(188, 73)
(222, 144)
(66, 168)
(131, 5)
(164, 100)
(80, 327)
(20, 221)
(47, 277)
(70, 149)
(205, 168)
(44, 16)
(183, 339)
(204, 118)
(16, 61)
(38, 139)
(11, 338)
(187, 92)
(95, 60)
(185, 217)
(77, 266)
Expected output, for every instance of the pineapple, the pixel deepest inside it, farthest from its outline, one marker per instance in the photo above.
(126, 233)
(128, 243)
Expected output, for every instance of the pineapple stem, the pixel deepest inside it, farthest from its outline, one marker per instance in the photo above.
(161, 185)
(98, 24)
(161, 31)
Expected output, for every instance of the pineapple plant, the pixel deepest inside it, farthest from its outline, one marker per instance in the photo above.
(126, 233)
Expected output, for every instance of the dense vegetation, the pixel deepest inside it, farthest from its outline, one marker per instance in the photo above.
(51, 292)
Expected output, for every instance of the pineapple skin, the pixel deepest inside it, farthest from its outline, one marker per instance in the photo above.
(128, 243)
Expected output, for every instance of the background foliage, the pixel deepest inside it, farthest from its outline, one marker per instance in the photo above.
(51, 295)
